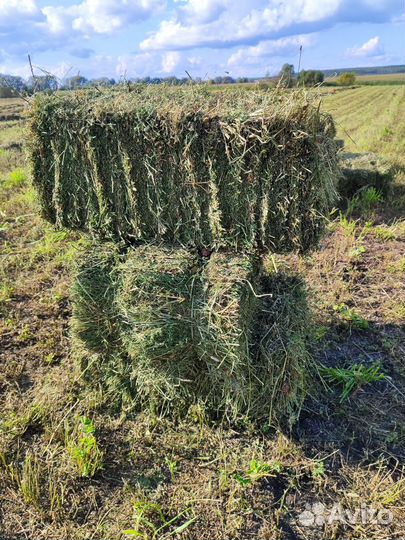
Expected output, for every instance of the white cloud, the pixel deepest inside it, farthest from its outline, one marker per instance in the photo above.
(226, 23)
(255, 55)
(170, 61)
(62, 70)
(98, 16)
(11, 8)
(134, 65)
(194, 60)
(16, 16)
(131, 66)
(370, 48)
(203, 11)
(26, 27)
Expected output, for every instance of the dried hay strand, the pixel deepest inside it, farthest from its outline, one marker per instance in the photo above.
(221, 333)
(364, 170)
(186, 167)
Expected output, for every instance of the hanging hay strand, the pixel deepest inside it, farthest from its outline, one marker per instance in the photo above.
(162, 328)
(241, 170)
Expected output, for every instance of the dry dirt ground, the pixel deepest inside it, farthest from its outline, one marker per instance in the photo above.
(69, 468)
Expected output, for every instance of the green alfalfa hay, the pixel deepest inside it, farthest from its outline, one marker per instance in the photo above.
(226, 315)
(93, 294)
(131, 325)
(96, 324)
(245, 170)
(156, 307)
(220, 333)
(252, 326)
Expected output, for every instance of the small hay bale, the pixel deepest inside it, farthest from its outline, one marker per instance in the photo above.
(227, 314)
(186, 167)
(95, 316)
(252, 339)
(156, 307)
(96, 323)
(364, 170)
(284, 362)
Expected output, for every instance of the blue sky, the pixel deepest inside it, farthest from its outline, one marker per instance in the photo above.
(135, 38)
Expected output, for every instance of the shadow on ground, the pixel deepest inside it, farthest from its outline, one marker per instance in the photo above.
(369, 424)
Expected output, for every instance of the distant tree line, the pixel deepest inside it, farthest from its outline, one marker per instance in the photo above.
(372, 70)
(287, 78)
(12, 85)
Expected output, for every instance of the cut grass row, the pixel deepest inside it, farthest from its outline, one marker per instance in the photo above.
(368, 120)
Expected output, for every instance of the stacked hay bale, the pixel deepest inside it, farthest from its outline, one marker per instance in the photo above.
(228, 316)
(155, 303)
(186, 191)
(247, 171)
(163, 328)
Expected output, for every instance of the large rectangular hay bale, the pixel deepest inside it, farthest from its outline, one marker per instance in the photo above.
(242, 170)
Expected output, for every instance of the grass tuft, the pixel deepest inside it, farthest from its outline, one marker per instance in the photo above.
(15, 179)
(352, 378)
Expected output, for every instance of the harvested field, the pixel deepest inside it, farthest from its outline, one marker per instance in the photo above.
(362, 171)
(216, 482)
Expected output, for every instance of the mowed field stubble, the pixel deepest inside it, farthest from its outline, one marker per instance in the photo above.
(71, 469)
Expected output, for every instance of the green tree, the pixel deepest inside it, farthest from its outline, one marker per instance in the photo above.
(77, 81)
(347, 78)
(43, 83)
(310, 77)
(101, 81)
(286, 76)
(11, 85)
